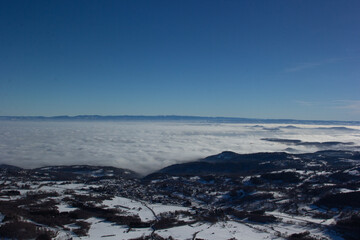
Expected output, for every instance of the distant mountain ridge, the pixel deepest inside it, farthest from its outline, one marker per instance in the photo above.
(230, 163)
(71, 172)
(225, 163)
(176, 118)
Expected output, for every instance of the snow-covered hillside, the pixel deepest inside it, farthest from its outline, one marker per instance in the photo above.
(277, 196)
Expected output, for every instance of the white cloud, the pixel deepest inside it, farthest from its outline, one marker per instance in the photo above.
(309, 65)
(352, 105)
(307, 103)
(144, 146)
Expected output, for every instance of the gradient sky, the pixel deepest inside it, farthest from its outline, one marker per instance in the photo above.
(257, 59)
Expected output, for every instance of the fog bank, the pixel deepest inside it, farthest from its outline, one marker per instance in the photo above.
(148, 146)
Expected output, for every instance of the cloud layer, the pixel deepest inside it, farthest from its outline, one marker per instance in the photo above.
(148, 146)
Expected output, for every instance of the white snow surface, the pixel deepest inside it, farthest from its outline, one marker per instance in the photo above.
(131, 206)
(220, 230)
(105, 230)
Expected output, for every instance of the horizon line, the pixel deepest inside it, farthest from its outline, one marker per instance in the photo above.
(169, 117)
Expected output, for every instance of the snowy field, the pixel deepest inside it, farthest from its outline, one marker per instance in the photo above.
(100, 228)
(148, 146)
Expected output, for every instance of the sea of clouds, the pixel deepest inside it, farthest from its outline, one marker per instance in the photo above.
(148, 146)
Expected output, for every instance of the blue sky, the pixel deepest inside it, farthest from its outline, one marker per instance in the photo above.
(257, 59)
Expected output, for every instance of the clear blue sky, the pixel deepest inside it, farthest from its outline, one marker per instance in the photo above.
(261, 59)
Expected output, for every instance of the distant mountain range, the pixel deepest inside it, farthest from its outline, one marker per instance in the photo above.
(176, 118)
(73, 172)
(226, 163)
(234, 164)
